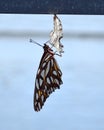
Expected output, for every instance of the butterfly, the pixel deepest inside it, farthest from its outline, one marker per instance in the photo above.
(56, 34)
(48, 78)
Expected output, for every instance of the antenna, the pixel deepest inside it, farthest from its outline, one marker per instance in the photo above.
(32, 41)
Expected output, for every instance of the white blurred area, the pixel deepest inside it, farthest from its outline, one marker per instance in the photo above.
(78, 105)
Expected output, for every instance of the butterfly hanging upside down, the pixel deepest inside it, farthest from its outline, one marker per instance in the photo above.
(48, 77)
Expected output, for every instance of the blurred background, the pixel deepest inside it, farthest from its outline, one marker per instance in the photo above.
(79, 104)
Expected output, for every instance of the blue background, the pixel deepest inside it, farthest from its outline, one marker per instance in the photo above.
(79, 104)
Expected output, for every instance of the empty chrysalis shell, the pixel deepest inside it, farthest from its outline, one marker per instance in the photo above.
(56, 34)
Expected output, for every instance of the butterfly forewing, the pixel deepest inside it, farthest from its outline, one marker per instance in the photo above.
(48, 78)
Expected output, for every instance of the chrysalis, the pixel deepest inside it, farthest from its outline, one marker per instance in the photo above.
(56, 34)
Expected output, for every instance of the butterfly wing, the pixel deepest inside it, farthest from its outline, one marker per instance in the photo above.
(56, 35)
(48, 79)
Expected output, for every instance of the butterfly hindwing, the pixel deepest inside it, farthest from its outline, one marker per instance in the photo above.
(48, 78)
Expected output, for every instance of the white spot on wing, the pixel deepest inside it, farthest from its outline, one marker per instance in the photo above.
(42, 98)
(47, 57)
(48, 67)
(35, 103)
(48, 80)
(51, 79)
(60, 72)
(39, 105)
(54, 72)
(37, 96)
(57, 81)
(38, 71)
(42, 73)
(40, 81)
(36, 83)
(43, 64)
(45, 88)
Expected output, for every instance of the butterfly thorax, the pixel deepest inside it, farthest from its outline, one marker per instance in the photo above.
(47, 49)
